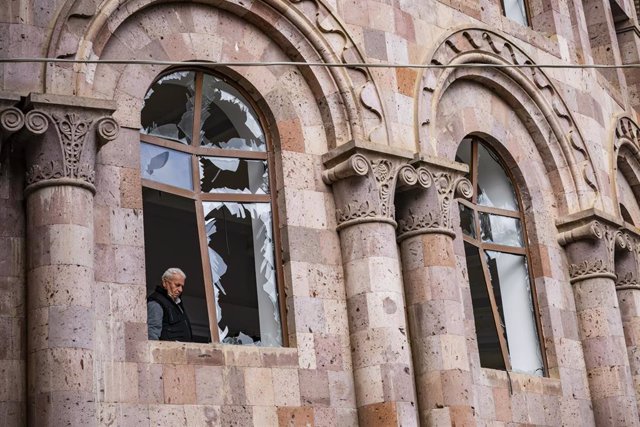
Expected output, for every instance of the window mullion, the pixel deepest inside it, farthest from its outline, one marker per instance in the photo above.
(494, 308)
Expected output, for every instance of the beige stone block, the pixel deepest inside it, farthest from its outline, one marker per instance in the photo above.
(306, 351)
(386, 309)
(167, 415)
(120, 382)
(238, 355)
(107, 184)
(60, 285)
(71, 326)
(336, 310)
(314, 387)
(127, 303)
(63, 369)
(62, 244)
(368, 382)
(129, 264)
(57, 205)
(150, 387)
(301, 416)
(286, 387)
(258, 386)
(234, 386)
(200, 415)
(265, 416)
(126, 227)
(168, 352)
(454, 352)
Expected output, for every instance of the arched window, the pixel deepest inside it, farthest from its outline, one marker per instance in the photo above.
(496, 251)
(206, 169)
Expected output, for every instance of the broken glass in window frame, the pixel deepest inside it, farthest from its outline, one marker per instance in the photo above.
(485, 247)
(195, 150)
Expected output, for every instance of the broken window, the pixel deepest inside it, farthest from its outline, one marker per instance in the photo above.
(516, 10)
(504, 306)
(208, 207)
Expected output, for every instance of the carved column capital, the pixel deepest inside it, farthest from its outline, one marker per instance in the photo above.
(61, 137)
(428, 210)
(591, 240)
(365, 178)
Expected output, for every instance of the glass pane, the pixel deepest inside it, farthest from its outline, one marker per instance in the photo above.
(241, 254)
(515, 9)
(227, 120)
(502, 230)
(165, 165)
(233, 175)
(487, 335)
(467, 221)
(494, 186)
(509, 274)
(463, 155)
(171, 240)
(168, 107)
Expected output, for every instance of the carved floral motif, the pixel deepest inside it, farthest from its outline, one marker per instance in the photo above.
(355, 210)
(628, 281)
(589, 268)
(427, 221)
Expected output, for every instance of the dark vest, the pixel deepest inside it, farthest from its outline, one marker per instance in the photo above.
(175, 322)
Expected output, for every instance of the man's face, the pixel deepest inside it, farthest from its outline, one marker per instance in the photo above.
(174, 286)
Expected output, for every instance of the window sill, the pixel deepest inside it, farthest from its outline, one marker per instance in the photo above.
(520, 383)
(216, 354)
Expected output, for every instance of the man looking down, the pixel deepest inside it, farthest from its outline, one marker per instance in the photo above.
(166, 316)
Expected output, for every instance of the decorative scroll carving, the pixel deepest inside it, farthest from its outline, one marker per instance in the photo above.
(479, 45)
(65, 148)
(328, 23)
(432, 214)
(367, 186)
(11, 120)
(592, 248)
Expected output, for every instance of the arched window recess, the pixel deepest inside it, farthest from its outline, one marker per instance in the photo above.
(504, 305)
(207, 176)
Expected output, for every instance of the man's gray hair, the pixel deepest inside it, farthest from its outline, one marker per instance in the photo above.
(173, 272)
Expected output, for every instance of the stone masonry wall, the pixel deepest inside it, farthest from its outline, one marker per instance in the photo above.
(534, 121)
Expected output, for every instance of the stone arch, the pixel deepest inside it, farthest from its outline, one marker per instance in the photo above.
(531, 95)
(305, 31)
(625, 158)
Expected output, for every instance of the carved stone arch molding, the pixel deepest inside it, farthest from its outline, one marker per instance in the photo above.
(528, 91)
(625, 149)
(307, 30)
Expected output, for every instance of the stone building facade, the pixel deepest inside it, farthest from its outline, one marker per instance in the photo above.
(376, 308)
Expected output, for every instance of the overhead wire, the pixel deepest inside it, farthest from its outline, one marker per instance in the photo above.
(310, 64)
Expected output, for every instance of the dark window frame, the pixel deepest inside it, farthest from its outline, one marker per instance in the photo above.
(194, 149)
(482, 247)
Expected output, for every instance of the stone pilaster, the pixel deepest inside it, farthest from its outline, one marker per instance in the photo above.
(434, 306)
(60, 139)
(591, 241)
(627, 264)
(12, 268)
(364, 181)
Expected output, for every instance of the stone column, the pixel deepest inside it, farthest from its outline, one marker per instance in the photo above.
(628, 289)
(434, 304)
(590, 241)
(364, 183)
(60, 140)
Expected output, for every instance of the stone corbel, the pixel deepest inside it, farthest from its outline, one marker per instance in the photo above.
(429, 210)
(61, 138)
(365, 178)
(591, 239)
